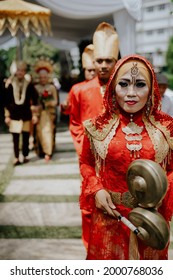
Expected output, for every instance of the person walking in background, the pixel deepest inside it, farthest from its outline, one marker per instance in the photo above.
(88, 102)
(48, 100)
(131, 127)
(21, 100)
(89, 73)
(166, 94)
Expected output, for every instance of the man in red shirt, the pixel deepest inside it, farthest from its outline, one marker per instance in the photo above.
(88, 103)
(89, 73)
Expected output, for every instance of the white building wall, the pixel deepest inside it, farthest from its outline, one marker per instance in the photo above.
(154, 30)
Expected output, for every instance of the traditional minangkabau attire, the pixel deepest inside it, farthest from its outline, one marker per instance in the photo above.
(21, 100)
(87, 63)
(104, 162)
(48, 100)
(88, 101)
(46, 128)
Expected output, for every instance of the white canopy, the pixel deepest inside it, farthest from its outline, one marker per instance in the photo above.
(76, 20)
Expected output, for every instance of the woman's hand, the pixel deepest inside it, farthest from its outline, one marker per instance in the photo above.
(7, 120)
(104, 202)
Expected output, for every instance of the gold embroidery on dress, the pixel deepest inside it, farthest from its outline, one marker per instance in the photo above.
(160, 144)
(165, 131)
(19, 90)
(100, 134)
(99, 140)
(101, 147)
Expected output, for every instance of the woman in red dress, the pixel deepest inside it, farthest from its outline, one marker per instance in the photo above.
(132, 127)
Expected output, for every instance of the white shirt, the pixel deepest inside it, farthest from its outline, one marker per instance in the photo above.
(167, 102)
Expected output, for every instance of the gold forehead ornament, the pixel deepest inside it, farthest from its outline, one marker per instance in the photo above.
(134, 72)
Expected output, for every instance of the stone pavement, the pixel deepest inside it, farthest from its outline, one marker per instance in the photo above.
(39, 212)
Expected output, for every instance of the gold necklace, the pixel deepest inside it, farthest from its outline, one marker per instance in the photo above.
(19, 90)
(133, 136)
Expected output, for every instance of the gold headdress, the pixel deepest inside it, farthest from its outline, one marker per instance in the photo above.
(43, 64)
(88, 56)
(105, 41)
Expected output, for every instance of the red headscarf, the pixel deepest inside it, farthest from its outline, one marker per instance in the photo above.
(157, 118)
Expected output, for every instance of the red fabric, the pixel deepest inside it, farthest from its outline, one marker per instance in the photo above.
(109, 238)
(106, 232)
(86, 102)
(73, 91)
(86, 224)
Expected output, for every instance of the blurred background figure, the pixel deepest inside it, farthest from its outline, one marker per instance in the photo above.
(88, 101)
(89, 73)
(166, 94)
(21, 100)
(45, 130)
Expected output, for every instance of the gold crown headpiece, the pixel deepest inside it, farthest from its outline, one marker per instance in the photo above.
(88, 56)
(105, 41)
(44, 63)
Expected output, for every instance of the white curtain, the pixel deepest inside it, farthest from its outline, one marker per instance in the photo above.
(85, 9)
(125, 13)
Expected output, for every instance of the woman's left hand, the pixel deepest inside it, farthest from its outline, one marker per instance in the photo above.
(103, 201)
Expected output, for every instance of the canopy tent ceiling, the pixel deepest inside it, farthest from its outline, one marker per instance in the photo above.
(75, 20)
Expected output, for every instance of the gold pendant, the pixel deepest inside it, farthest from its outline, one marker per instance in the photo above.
(132, 128)
(133, 136)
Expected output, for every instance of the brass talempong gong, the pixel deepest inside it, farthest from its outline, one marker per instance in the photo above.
(154, 231)
(147, 182)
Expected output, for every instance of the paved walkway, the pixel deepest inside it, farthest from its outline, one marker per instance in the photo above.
(39, 211)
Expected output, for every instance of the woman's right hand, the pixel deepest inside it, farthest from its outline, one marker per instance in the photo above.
(104, 202)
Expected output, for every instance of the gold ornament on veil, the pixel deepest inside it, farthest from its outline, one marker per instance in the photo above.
(134, 72)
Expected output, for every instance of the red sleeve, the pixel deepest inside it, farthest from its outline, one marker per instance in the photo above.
(91, 183)
(166, 209)
(76, 126)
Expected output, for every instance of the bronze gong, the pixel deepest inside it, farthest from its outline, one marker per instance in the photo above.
(154, 231)
(147, 182)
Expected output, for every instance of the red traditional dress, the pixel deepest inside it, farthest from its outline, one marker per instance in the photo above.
(104, 162)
